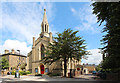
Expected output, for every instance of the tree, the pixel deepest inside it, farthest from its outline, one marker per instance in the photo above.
(66, 45)
(98, 68)
(109, 13)
(4, 63)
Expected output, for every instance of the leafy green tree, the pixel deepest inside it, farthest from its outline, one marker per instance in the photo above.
(109, 13)
(66, 45)
(4, 63)
(98, 67)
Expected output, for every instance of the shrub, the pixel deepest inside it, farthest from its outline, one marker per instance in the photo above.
(24, 73)
(21, 72)
(54, 74)
(13, 72)
(38, 75)
(49, 73)
(28, 72)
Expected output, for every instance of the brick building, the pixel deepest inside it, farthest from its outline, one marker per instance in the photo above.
(14, 58)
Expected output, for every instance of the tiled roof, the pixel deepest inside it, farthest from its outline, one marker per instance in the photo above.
(90, 68)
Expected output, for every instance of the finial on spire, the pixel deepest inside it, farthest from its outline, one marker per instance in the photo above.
(44, 9)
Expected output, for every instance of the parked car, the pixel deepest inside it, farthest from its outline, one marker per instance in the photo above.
(94, 72)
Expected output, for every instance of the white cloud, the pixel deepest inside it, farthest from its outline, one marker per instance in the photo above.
(0, 14)
(94, 58)
(23, 20)
(73, 10)
(88, 21)
(46, 0)
(16, 45)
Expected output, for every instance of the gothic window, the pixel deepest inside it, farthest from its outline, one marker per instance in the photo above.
(42, 28)
(45, 27)
(42, 51)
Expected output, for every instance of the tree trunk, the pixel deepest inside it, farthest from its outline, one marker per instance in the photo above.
(65, 67)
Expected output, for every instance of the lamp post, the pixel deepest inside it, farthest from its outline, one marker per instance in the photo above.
(18, 51)
(19, 57)
(17, 74)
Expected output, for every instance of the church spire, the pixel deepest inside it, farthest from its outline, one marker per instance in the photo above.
(44, 25)
(45, 17)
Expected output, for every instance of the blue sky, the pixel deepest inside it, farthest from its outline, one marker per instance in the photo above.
(22, 20)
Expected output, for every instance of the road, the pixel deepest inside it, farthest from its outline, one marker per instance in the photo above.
(46, 79)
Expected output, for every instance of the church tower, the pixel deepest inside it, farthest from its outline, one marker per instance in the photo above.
(44, 26)
(39, 45)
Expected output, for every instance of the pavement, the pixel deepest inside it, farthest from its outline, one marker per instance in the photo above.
(39, 78)
(46, 79)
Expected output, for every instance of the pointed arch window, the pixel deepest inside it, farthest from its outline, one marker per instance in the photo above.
(45, 27)
(42, 28)
(42, 51)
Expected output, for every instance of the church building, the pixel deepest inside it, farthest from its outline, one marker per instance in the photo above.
(36, 54)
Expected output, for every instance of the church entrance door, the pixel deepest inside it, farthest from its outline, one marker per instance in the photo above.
(42, 69)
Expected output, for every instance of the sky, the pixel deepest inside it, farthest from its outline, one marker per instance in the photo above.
(20, 21)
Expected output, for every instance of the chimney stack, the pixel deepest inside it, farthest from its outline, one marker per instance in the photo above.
(13, 51)
(33, 41)
(6, 51)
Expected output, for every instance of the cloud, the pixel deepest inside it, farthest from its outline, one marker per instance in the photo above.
(46, 0)
(0, 15)
(73, 10)
(87, 20)
(16, 45)
(94, 58)
(22, 21)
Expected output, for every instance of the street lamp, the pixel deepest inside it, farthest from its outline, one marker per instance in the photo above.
(18, 51)
(17, 74)
(19, 57)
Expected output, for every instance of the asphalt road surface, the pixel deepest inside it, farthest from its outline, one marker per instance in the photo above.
(60, 82)
(46, 79)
